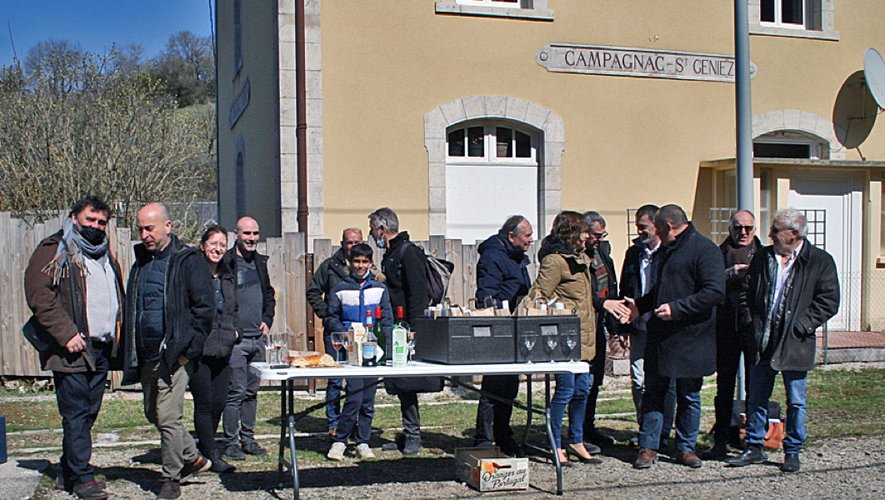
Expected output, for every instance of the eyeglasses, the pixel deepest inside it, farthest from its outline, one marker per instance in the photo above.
(350, 243)
(599, 235)
(215, 244)
(743, 228)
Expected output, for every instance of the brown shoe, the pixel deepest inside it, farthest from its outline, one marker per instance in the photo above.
(688, 459)
(645, 459)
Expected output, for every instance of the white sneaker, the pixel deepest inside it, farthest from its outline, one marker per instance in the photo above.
(363, 451)
(337, 452)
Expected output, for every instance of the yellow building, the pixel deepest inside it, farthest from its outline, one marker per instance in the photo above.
(457, 113)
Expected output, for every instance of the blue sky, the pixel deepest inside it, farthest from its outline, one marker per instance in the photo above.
(97, 24)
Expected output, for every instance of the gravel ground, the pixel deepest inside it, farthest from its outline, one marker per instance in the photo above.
(847, 468)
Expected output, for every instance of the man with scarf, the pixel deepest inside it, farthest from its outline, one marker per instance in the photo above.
(74, 287)
(737, 250)
(605, 292)
(170, 308)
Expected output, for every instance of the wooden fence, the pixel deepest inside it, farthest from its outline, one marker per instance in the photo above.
(286, 266)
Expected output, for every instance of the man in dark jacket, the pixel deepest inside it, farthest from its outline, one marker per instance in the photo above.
(329, 273)
(737, 252)
(793, 290)
(637, 278)
(170, 308)
(403, 265)
(681, 334)
(74, 287)
(502, 275)
(256, 305)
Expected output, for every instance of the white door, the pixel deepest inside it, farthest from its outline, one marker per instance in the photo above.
(840, 196)
(491, 174)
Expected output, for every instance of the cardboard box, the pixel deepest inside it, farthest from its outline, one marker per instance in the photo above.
(487, 469)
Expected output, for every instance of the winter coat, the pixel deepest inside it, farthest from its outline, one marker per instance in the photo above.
(403, 265)
(730, 312)
(812, 298)
(691, 281)
(328, 274)
(611, 323)
(225, 328)
(53, 308)
(501, 272)
(268, 299)
(188, 312)
(349, 301)
(565, 275)
(631, 284)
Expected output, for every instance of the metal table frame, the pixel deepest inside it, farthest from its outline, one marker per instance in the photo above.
(288, 376)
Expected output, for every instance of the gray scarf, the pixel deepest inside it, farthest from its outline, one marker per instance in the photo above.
(70, 251)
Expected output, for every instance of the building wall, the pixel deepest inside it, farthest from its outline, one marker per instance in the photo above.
(257, 129)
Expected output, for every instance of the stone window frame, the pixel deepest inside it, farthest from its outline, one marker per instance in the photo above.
(549, 125)
(799, 121)
(528, 9)
(825, 9)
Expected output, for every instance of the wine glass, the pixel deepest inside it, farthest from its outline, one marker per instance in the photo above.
(550, 343)
(339, 341)
(278, 342)
(528, 342)
(410, 346)
(571, 341)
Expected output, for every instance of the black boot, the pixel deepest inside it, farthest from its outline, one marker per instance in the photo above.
(219, 465)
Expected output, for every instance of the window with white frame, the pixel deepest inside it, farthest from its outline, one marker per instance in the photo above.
(795, 18)
(790, 144)
(491, 173)
(522, 9)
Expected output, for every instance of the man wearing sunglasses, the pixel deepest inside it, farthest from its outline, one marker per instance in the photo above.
(737, 250)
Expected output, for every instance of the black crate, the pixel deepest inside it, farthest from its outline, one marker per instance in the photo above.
(464, 340)
(547, 338)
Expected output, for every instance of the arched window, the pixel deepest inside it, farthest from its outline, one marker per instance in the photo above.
(790, 144)
(491, 173)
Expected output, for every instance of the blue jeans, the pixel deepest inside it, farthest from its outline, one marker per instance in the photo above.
(688, 411)
(760, 380)
(571, 390)
(359, 410)
(333, 386)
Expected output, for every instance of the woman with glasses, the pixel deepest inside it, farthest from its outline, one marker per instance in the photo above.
(211, 378)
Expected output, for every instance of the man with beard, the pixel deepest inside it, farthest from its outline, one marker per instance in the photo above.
(637, 278)
(502, 275)
(737, 250)
(681, 341)
(329, 273)
(255, 307)
(74, 287)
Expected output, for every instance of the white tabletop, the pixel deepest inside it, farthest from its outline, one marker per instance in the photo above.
(419, 369)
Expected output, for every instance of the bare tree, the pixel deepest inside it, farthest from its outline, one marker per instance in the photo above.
(101, 131)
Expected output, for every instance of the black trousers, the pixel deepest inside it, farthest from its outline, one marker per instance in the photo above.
(493, 417)
(728, 356)
(79, 397)
(408, 405)
(209, 385)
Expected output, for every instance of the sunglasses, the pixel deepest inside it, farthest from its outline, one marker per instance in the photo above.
(743, 228)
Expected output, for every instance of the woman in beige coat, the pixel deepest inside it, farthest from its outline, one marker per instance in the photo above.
(564, 276)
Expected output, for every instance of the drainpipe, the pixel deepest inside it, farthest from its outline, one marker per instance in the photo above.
(744, 123)
(301, 138)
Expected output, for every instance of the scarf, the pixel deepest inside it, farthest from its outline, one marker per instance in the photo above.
(601, 273)
(70, 251)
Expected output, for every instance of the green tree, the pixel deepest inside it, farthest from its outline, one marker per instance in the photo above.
(187, 67)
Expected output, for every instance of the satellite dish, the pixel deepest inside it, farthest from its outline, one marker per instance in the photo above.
(855, 111)
(874, 74)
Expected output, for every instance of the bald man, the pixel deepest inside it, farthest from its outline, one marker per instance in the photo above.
(255, 306)
(170, 307)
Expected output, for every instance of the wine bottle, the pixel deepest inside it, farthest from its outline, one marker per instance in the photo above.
(379, 333)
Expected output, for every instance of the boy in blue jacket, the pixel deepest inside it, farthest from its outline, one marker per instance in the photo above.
(348, 302)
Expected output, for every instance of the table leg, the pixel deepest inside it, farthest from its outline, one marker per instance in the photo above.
(281, 446)
(528, 418)
(552, 442)
(296, 487)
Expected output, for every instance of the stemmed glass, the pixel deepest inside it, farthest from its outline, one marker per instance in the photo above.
(550, 343)
(339, 341)
(277, 341)
(528, 342)
(571, 341)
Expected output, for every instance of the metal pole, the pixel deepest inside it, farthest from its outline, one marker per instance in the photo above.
(744, 126)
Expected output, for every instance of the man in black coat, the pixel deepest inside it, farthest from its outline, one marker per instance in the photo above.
(404, 265)
(170, 308)
(329, 273)
(681, 334)
(502, 275)
(793, 290)
(737, 252)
